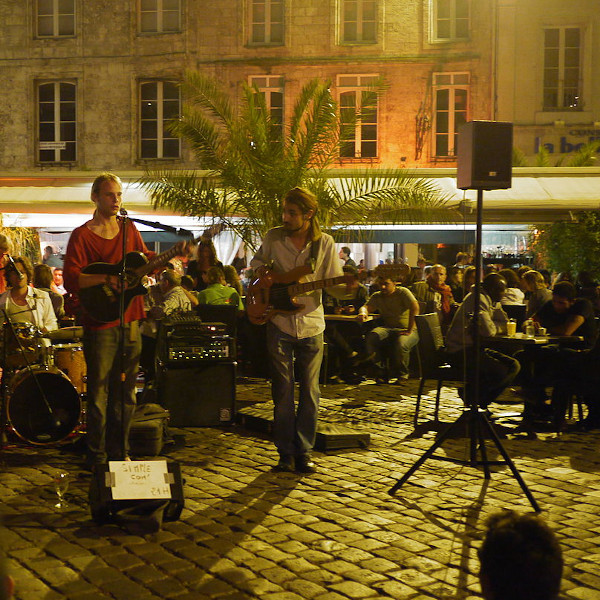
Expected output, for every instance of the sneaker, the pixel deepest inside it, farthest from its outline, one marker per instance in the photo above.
(285, 464)
(305, 464)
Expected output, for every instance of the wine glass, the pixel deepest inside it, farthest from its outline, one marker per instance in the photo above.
(61, 485)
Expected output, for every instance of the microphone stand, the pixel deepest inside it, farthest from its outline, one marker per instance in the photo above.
(156, 225)
(122, 352)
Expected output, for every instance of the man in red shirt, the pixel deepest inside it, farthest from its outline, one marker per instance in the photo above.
(101, 240)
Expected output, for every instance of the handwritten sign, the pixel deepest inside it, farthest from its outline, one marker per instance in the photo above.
(139, 479)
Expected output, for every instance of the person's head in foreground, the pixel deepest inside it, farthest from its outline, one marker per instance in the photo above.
(520, 559)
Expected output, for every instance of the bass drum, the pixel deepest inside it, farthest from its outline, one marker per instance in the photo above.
(43, 406)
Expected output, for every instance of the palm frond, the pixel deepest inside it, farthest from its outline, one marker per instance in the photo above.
(251, 165)
(585, 156)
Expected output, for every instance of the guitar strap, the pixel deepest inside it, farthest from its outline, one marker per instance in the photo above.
(314, 252)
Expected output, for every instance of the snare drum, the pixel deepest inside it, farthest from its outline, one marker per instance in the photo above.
(70, 360)
(24, 349)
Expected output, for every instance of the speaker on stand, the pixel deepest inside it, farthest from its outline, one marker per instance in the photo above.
(484, 163)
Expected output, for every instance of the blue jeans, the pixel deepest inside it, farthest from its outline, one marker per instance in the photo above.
(294, 430)
(107, 432)
(401, 345)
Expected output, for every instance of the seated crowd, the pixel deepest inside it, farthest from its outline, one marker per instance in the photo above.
(371, 325)
(545, 376)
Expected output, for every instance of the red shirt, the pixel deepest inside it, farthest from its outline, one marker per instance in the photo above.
(86, 247)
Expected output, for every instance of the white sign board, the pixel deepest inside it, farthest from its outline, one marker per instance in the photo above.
(139, 479)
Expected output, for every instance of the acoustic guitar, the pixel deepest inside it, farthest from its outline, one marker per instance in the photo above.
(102, 302)
(272, 293)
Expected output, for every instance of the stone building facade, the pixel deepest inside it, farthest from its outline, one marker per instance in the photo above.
(548, 74)
(91, 84)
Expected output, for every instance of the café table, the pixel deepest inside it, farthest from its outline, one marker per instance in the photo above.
(520, 340)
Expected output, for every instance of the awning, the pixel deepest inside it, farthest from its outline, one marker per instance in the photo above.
(537, 195)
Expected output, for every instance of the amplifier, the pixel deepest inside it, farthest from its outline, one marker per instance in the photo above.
(185, 349)
(199, 395)
(186, 324)
(184, 338)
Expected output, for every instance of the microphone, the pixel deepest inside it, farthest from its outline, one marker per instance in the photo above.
(122, 212)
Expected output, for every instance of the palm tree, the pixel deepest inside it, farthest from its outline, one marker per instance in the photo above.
(250, 160)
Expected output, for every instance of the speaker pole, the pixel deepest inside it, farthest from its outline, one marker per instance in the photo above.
(473, 416)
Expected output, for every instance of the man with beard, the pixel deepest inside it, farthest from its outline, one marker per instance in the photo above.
(297, 339)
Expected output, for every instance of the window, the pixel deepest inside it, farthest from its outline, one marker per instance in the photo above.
(358, 109)
(358, 21)
(266, 22)
(55, 18)
(160, 103)
(451, 98)
(449, 20)
(160, 16)
(271, 87)
(562, 68)
(57, 126)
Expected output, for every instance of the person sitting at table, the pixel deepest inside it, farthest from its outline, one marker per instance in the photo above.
(397, 308)
(568, 315)
(435, 295)
(564, 315)
(455, 281)
(42, 280)
(217, 292)
(514, 294)
(345, 339)
(497, 370)
(536, 291)
(469, 276)
(188, 287)
(167, 298)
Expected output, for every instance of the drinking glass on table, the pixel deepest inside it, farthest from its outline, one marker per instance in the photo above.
(511, 327)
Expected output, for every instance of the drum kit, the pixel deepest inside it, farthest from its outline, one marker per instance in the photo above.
(43, 382)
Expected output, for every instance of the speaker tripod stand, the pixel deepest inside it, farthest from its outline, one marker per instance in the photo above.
(477, 424)
(474, 417)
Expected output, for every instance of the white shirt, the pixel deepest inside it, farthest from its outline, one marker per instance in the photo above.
(38, 311)
(278, 248)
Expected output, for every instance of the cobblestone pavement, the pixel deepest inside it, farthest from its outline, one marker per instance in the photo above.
(246, 532)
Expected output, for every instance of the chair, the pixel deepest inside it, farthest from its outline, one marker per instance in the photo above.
(433, 365)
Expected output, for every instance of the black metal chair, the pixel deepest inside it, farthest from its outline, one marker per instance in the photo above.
(433, 363)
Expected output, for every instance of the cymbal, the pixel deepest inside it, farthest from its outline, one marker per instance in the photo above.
(65, 333)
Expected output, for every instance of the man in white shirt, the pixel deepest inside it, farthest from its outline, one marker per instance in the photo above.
(299, 242)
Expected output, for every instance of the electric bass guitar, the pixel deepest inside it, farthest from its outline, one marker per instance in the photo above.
(273, 293)
(102, 302)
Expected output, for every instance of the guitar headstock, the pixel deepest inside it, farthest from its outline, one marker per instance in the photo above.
(395, 272)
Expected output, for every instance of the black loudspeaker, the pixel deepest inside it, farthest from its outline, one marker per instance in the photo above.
(202, 395)
(484, 155)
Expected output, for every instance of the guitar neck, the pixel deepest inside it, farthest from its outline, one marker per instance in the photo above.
(156, 262)
(309, 286)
